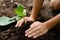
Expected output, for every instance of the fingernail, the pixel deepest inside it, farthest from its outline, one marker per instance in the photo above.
(25, 31)
(25, 34)
(15, 26)
(29, 36)
(34, 37)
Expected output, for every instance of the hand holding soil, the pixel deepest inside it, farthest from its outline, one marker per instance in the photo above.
(25, 19)
(36, 29)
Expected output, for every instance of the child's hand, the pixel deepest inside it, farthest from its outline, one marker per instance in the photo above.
(20, 22)
(36, 29)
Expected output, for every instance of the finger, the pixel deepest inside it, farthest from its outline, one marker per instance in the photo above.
(30, 19)
(40, 34)
(21, 22)
(17, 24)
(35, 33)
(35, 24)
(31, 27)
(28, 30)
(31, 30)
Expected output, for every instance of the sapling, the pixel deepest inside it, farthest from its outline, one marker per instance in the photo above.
(20, 11)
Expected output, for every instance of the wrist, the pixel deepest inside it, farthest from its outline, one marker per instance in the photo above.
(53, 21)
(48, 25)
(34, 18)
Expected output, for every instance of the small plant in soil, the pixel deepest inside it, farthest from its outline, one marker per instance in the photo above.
(20, 11)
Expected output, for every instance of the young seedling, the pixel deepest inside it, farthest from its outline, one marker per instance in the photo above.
(20, 11)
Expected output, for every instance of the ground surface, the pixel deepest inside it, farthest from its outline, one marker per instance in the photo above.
(9, 32)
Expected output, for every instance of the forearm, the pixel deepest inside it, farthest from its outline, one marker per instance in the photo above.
(36, 8)
(55, 4)
(54, 21)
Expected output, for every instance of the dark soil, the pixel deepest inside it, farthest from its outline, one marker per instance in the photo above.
(9, 32)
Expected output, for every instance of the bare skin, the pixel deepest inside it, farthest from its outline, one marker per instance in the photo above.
(34, 14)
(55, 4)
(37, 28)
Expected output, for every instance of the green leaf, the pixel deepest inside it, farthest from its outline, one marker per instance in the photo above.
(19, 10)
(5, 21)
(25, 12)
